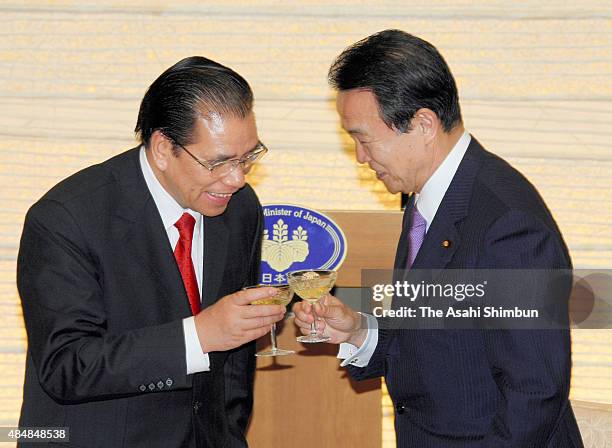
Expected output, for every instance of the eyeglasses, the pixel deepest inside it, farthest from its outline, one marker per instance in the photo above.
(224, 167)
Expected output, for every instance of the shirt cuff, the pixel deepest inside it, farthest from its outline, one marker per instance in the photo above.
(197, 360)
(360, 357)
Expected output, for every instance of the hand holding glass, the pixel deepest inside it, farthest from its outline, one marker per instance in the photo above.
(311, 285)
(283, 297)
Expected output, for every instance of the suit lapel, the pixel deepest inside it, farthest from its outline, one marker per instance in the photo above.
(443, 237)
(401, 254)
(140, 229)
(440, 243)
(216, 237)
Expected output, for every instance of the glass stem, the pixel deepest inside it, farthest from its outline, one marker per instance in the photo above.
(313, 326)
(273, 336)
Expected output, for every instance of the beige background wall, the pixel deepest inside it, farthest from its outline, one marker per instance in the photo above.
(534, 78)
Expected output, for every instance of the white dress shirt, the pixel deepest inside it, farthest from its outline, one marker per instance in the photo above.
(170, 212)
(427, 201)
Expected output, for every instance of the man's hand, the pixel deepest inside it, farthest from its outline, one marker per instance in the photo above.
(232, 321)
(334, 319)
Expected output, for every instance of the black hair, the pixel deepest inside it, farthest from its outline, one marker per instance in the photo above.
(193, 87)
(405, 73)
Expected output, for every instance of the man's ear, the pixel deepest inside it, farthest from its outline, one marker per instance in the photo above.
(161, 149)
(428, 124)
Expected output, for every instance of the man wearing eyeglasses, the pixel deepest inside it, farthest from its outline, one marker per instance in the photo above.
(130, 274)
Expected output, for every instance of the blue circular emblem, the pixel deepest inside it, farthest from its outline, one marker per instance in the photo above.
(298, 238)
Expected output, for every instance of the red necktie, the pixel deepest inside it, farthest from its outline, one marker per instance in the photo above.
(182, 253)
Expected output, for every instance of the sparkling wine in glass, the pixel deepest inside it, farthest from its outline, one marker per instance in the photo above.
(283, 296)
(311, 285)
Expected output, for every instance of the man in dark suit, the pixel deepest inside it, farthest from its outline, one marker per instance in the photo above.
(470, 210)
(130, 275)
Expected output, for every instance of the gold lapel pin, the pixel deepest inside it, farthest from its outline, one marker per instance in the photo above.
(446, 244)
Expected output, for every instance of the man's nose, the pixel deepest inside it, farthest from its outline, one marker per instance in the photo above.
(235, 178)
(362, 156)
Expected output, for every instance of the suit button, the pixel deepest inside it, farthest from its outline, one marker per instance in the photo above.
(169, 382)
(399, 407)
(142, 388)
(196, 407)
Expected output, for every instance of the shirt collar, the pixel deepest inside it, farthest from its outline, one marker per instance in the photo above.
(432, 193)
(169, 210)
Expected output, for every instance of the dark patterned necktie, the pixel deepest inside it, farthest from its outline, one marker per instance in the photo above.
(416, 235)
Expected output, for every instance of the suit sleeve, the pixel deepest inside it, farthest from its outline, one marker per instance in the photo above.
(531, 367)
(376, 366)
(239, 367)
(76, 358)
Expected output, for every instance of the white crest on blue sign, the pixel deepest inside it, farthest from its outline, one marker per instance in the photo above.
(280, 252)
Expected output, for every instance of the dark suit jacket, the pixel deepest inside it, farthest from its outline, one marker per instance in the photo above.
(103, 303)
(481, 388)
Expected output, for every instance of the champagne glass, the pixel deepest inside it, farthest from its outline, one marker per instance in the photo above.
(283, 296)
(311, 285)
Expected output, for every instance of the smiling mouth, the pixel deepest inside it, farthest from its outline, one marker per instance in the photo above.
(219, 195)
